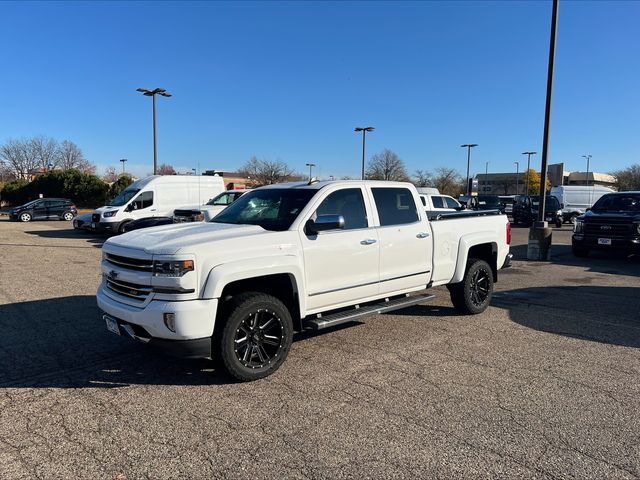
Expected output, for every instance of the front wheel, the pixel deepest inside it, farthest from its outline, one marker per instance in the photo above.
(256, 337)
(68, 216)
(25, 217)
(473, 294)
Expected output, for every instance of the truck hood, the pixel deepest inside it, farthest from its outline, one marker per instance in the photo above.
(612, 216)
(107, 208)
(170, 239)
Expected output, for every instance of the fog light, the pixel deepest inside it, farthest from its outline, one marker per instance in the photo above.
(170, 321)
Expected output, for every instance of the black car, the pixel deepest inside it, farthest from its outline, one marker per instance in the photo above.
(147, 222)
(43, 209)
(525, 210)
(486, 202)
(613, 223)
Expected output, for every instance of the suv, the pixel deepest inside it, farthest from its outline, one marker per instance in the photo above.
(525, 209)
(486, 202)
(612, 223)
(43, 209)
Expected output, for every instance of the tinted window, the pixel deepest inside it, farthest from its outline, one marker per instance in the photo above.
(124, 197)
(451, 203)
(271, 208)
(395, 206)
(488, 201)
(627, 202)
(144, 200)
(437, 202)
(350, 204)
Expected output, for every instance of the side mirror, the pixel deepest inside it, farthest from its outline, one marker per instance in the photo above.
(323, 223)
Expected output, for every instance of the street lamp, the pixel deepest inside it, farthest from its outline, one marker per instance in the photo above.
(153, 93)
(486, 168)
(123, 160)
(588, 157)
(310, 165)
(528, 154)
(469, 146)
(364, 131)
(517, 173)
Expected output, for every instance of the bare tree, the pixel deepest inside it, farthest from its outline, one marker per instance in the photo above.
(265, 172)
(165, 169)
(507, 183)
(423, 178)
(46, 151)
(628, 179)
(70, 156)
(448, 181)
(386, 166)
(19, 158)
(110, 174)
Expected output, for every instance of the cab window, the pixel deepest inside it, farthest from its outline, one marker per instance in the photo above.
(437, 202)
(349, 203)
(451, 202)
(395, 206)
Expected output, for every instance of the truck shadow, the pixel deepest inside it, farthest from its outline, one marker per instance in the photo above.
(614, 263)
(62, 343)
(92, 238)
(605, 314)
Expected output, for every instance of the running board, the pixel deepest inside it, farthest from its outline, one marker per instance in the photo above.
(325, 321)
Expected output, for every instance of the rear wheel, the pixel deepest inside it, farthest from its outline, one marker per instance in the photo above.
(580, 251)
(25, 217)
(473, 294)
(256, 337)
(572, 218)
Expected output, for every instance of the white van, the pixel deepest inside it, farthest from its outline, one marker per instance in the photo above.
(155, 196)
(575, 199)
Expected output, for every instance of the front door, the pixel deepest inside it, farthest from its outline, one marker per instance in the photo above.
(341, 266)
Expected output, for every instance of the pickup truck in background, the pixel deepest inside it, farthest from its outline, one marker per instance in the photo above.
(206, 212)
(294, 257)
(439, 203)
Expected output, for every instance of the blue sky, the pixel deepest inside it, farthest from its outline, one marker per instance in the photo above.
(290, 81)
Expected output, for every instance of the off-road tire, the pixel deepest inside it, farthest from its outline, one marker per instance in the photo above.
(473, 294)
(265, 324)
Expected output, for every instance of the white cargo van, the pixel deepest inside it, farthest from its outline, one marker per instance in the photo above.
(155, 196)
(575, 199)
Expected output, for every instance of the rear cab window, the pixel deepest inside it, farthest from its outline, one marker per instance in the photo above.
(396, 206)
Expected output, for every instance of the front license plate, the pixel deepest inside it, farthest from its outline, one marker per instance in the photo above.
(93, 224)
(112, 324)
(604, 241)
(548, 219)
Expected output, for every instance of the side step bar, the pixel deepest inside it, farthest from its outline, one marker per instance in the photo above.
(325, 321)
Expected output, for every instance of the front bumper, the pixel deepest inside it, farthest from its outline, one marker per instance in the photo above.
(104, 227)
(591, 242)
(507, 261)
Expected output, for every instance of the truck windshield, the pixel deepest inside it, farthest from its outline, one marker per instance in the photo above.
(627, 202)
(124, 197)
(271, 208)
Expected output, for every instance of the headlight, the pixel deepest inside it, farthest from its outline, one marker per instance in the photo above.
(578, 227)
(109, 214)
(559, 213)
(176, 268)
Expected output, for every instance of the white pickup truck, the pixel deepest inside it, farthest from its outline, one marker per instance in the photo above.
(293, 257)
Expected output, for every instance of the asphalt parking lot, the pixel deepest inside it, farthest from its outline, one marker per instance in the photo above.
(542, 384)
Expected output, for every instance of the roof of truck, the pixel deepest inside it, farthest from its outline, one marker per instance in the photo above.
(317, 185)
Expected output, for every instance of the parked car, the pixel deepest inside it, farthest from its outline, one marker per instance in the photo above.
(613, 223)
(575, 199)
(209, 210)
(486, 202)
(439, 203)
(44, 209)
(147, 222)
(294, 256)
(507, 202)
(82, 222)
(525, 209)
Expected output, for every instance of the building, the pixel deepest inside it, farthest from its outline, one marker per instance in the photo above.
(232, 180)
(500, 183)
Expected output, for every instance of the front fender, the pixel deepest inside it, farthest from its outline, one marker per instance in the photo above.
(466, 242)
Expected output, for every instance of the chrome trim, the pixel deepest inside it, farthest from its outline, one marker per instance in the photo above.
(369, 283)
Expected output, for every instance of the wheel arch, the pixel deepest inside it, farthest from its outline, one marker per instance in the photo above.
(478, 247)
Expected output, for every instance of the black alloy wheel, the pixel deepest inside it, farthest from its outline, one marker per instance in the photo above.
(259, 339)
(480, 287)
(473, 294)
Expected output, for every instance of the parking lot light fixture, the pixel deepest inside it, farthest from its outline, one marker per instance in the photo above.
(153, 93)
(517, 173)
(468, 146)
(310, 165)
(528, 154)
(123, 160)
(588, 157)
(364, 131)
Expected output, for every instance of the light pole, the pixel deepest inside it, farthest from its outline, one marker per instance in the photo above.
(469, 146)
(486, 168)
(123, 160)
(528, 154)
(517, 173)
(588, 157)
(153, 93)
(364, 131)
(310, 165)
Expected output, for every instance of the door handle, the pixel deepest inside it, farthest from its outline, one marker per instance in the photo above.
(422, 235)
(368, 241)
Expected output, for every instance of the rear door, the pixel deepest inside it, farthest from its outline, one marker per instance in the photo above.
(40, 209)
(406, 247)
(341, 266)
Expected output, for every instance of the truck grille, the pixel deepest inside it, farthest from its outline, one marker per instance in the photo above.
(139, 264)
(607, 228)
(130, 290)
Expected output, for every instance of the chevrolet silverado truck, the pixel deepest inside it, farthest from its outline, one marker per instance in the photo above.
(612, 224)
(293, 257)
